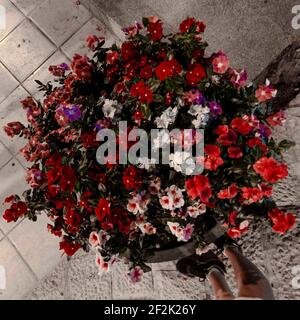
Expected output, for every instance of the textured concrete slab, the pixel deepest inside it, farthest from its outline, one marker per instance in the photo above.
(28, 42)
(36, 245)
(59, 19)
(13, 18)
(19, 278)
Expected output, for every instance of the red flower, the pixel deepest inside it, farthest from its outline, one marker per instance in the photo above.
(212, 160)
(13, 128)
(252, 195)
(17, 210)
(168, 69)
(89, 139)
(228, 138)
(266, 190)
(128, 50)
(282, 222)
(68, 179)
(235, 153)
(163, 71)
(212, 150)
(222, 130)
(195, 75)
(142, 91)
(188, 23)
(82, 67)
(146, 72)
(131, 178)
(271, 170)
(241, 126)
(103, 209)
(112, 57)
(145, 95)
(228, 193)
(198, 186)
(69, 248)
(232, 218)
(257, 142)
(155, 30)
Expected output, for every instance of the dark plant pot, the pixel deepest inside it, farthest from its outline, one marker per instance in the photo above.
(172, 253)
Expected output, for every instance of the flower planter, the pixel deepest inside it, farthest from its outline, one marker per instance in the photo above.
(171, 254)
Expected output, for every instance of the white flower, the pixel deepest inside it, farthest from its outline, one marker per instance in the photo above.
(138, 204)
(166, 202)
(177, 159)
(173, 199)
(109, 108)
(147, 228)
(168, 117)
(94, 239)
(194, 212)
(104, 237)
(105, 266)
(201, 114)
(182, 162)
(163, 138)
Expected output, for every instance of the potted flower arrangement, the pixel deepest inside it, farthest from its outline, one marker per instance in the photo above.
(151, 80)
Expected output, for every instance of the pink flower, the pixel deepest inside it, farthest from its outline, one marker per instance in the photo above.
(237, 232)
(61, 117)
(34, 177)
(187, 232)
(277, 119)
(265, 93)
(136, 274)
(94, 239)
(93, 41)
(220, 63)
(238, 78)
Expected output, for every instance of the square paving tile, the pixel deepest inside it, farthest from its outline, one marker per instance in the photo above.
(59, 19)
(12, 182)
(19, 279)
(24, 50)
(5, 155)
(11, 110)
(77, 44)
(13, 18)
(26, 5)
(39, 248)
(42, 74)
(8, 82)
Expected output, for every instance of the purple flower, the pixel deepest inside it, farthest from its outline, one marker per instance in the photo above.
(215, 108)
(72, 112)
(64, 66)
(199, 98)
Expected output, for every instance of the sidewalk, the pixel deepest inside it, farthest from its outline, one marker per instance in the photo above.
(38, 34)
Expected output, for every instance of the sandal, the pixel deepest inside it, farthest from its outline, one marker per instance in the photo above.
(199, 266)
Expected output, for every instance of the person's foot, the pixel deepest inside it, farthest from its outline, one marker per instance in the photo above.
(199, 266)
